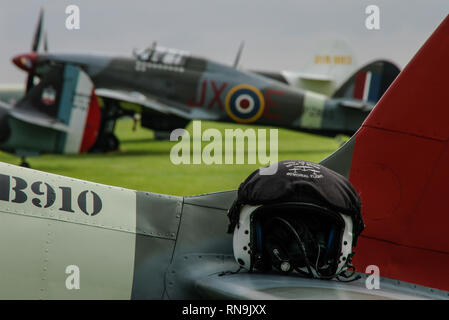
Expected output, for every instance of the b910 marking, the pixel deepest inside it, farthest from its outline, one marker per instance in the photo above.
(21, 194)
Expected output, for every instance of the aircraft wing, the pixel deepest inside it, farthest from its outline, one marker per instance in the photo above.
(292, 78)
(38, 118)
(307, 76)
(359, 105)
(319, 82)
(278, 287)
(215, 277)
(157, 104)
(5, 105)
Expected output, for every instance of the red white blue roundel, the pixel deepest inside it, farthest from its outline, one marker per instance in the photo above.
(244, 103)
(48, 95)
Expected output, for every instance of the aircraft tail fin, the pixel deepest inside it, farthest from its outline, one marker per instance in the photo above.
(330, 65)
(369, 83)
(398, 161)
(63, 100)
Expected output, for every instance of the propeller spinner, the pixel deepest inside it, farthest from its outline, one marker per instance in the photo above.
(27, 61)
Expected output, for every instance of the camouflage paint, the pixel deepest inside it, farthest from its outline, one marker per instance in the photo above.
(175, 88)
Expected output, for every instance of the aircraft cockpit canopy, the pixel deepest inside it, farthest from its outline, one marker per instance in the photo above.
(161, 55)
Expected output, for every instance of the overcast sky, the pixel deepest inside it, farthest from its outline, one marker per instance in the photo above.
(278, 34)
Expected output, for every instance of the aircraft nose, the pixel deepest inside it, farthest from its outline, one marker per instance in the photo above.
(26, 61)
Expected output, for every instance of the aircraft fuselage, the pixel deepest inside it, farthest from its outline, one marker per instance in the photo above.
(231, 95)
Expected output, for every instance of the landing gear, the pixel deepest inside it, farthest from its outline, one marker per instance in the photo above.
(162, 125)
(107, 141)
(112, 142)
(24, 163)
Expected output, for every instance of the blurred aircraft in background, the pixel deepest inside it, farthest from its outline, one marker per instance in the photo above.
(168, 88)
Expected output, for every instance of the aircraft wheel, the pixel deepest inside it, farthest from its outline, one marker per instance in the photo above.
(106, 143)
(111, 143)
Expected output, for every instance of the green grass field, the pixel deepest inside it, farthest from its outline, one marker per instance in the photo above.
(144, 163)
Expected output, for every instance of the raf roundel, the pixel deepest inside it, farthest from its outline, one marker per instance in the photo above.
(244, 103)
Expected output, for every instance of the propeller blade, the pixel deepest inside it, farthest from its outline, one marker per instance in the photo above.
(45, 42)
(30, 82)
(35, 46)
(37, 33)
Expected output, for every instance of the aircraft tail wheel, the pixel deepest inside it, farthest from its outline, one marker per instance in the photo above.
(24, 163)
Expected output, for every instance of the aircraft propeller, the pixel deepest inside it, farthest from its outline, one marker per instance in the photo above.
(34, 48)
(45, 42)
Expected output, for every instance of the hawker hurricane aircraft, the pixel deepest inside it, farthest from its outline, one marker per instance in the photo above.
(123, 244)
(61, 114)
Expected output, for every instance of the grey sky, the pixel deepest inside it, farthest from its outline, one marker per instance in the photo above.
(279, 35)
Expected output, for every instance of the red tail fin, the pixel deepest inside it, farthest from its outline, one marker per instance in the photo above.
(399, 163)
(400, 167)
